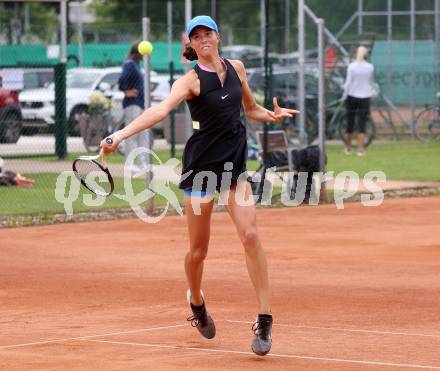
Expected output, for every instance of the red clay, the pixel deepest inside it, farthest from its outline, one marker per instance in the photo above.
(357, 288)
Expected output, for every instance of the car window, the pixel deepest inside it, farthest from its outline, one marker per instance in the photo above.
(81, 80)
(45, 78)
(30, 80)
(111, 79)
(284, 81)
(37, 79)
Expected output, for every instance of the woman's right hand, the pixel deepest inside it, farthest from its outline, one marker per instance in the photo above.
(109, 144)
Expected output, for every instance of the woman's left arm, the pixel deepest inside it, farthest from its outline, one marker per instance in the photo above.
(253, 110)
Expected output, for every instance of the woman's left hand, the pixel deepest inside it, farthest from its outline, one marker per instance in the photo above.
(279, 113)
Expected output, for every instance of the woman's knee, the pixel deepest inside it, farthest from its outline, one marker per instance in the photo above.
(198, 253)
(250, 238)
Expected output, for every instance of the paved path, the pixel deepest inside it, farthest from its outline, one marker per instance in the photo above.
(43, 144)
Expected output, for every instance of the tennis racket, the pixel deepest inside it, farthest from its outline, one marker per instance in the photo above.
(94, 175)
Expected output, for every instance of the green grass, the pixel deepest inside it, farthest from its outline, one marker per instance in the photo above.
(413, 161)
(410, 160)
(41, 197)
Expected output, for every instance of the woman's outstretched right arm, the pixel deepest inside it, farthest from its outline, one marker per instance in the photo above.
(180, 91)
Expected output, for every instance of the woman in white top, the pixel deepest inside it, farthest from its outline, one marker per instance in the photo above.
(358, 89)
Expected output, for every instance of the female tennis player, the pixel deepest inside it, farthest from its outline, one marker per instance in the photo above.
(214, 91)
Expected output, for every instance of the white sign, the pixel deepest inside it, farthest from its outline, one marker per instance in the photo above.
(53, 51)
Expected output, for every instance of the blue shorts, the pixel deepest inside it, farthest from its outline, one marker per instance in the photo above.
(190, 192)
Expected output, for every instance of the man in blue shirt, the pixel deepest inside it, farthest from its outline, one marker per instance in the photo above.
(131, 82)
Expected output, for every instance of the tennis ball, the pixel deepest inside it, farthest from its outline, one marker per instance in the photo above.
(145, 48)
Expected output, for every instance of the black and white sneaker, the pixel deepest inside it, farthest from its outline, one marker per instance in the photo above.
(201, 318)
(262, 329)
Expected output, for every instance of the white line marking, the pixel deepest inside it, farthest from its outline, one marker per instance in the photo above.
(87, 337)
(346, 329)
(269, 355)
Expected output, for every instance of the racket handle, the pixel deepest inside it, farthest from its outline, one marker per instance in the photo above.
(109, 141)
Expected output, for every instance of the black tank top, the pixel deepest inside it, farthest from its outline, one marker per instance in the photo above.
(219, 136)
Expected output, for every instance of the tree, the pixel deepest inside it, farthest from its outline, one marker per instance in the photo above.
(43, 22)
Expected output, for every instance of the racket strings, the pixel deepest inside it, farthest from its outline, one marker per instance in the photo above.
(94, 177)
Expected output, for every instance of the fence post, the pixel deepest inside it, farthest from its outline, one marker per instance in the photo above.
(172, 116)
(321, 109)
(171, 71)
(60, 111)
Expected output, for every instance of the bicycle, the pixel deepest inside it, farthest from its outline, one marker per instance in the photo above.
(96, 126)
(428, 123)
(336, 124)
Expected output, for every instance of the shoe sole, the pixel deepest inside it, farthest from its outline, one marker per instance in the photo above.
(260, 354)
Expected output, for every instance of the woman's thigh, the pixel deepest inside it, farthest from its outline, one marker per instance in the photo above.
(199, 220)
(241, 207)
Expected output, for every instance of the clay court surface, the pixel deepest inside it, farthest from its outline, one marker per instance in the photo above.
(353, 289)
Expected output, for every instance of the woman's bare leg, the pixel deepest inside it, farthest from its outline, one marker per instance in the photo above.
(361, 142)
(199, 231)
(349, 140)
(244, 219)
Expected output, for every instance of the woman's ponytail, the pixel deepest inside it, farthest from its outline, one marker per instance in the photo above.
(190, 53)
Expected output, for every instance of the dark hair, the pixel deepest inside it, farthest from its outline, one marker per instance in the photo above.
(134, 52)
(190, 53)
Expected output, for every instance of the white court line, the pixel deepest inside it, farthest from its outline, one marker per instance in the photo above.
(346, 329)
(87, 337)
(269, 355)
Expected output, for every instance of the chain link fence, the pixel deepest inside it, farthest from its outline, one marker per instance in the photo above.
(32, 135)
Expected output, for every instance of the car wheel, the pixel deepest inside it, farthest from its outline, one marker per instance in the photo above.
(72, 123)
(10, 127)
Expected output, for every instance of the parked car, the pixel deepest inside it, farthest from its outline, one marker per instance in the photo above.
(160, 87)
(251, 55)
(10, 116)
(241, 51)
(284, 85)
(284, 82)
(38, 105)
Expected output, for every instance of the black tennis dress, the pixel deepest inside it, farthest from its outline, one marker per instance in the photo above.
(219, 136)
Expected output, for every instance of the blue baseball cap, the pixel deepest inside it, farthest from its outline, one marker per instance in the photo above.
(201, 20)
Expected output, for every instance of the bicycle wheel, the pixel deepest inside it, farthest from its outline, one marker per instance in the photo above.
(370, 131)
(428, 124)
(93, 130)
